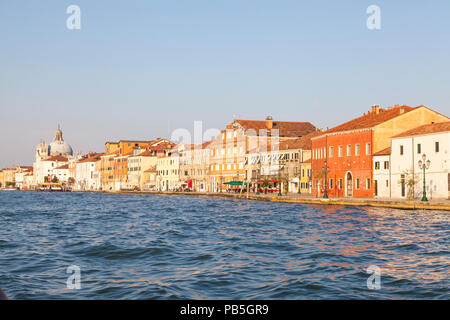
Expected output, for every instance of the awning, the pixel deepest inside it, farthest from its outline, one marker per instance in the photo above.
(235, 183)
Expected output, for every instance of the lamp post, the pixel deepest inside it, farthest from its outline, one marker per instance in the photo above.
(425, 164)
(325, 168)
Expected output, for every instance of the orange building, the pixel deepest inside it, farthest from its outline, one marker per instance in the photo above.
(347, 150)
(114, 164)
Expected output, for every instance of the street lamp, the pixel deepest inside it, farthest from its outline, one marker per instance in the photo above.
(325, 168)
(425, 164)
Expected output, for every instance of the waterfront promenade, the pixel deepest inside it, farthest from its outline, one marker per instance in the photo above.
(440, 204)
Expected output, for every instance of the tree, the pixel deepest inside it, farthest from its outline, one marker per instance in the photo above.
(71, 181)
(284, 178)
(410, 180)
(55, 180)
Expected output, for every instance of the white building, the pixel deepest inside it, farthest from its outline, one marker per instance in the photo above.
(24, 177)
(168, 171)
(381, 173)
(45, 170)
(52, 156)
(87, 176)
(430, 142)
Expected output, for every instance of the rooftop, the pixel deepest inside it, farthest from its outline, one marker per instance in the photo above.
(286, 128)
(426, 129)
(384, 152)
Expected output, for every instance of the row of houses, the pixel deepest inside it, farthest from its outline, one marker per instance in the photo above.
(385, 153)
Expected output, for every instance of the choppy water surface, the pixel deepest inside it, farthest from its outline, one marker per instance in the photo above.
(186, 247)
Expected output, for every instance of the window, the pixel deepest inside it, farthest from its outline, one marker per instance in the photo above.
(386, 165)
(436, 146)
(377, 165)
(387, 183)
(401, 150)
(368, 149)
(341, 151)
(356, 149)
(340, 184)
(303, 173)
(419, 148)
(368, 183)
(357, 184)
(331, 152)
(349, 150)
(375, 187)
(331, 184)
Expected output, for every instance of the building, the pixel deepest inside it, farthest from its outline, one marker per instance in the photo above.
(150, 180)
(50, 168)
(382, 173)
(228, 150)
(345, 153)
(306, 177)
(52, 156)
(2, 180)
(429, 142)
(24, 177)
(194, 167)
(283, 162)
(107, 170)
(9, 177)
(114, 164)
(87, 176)
(168, 171)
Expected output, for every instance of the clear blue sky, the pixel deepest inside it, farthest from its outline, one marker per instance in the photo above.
(136, 65)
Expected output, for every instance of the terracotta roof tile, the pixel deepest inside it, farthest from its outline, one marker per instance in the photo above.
(300, 143)
(371, 119)
(286, 128)
(384, 152)
(426, 129)
(57, 158)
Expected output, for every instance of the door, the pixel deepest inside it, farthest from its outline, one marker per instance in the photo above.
(376, 188)
(349, 185)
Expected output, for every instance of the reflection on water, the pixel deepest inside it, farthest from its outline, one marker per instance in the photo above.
(177, 247)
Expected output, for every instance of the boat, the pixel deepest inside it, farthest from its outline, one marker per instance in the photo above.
(50, 187)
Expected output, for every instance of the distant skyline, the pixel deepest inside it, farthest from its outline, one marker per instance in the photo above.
(140, 69)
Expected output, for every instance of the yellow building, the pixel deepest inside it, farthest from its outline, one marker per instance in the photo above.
(107, 171)
(305, 177)
(2, 182)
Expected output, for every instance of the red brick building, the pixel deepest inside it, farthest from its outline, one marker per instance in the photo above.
(348, 148)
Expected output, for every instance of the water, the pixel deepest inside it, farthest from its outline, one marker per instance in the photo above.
(187, 247)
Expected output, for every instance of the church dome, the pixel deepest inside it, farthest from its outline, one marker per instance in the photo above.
(59, 146)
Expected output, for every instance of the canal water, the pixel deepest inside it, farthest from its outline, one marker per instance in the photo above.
(187, 247)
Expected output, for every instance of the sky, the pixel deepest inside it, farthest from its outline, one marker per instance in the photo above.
(141, 69)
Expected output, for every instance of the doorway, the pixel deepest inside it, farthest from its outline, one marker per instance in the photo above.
(349, 179)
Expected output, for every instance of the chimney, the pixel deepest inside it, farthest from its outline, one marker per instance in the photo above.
(397, 106)
(389, 108)
(269, 122)
(376, 109)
